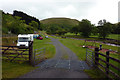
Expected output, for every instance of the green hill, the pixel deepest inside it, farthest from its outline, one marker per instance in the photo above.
(60, 21)
(65, 23)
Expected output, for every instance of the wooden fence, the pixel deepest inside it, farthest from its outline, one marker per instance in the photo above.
(106, 68)
(15, 53)
(9, 35)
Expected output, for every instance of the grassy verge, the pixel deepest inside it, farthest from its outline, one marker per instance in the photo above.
(13, 70)
(95, 73)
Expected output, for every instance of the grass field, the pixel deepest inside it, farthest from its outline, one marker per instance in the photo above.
(9, 41)
(111, 36)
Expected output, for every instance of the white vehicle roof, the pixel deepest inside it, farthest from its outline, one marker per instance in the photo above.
(24, 35)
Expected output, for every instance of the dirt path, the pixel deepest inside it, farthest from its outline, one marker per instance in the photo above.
(60, 66)
(62, 51)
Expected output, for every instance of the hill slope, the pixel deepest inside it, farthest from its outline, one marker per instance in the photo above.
(65, 23)
(60, 21)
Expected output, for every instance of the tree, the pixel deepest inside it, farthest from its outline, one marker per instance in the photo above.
(116, 28)
(61, 31)
(101, 22)
(75, 30)
(85, 27)
(105, 29)
(15, 25)
(34, 24)
(28, 19)
(94, 30)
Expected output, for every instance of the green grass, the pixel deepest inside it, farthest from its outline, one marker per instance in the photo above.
(114, 36)
(45, 43)
(116, 56)
(95, 73)
(9, 41)
(111, 36)
(74, 45)
(14, 70)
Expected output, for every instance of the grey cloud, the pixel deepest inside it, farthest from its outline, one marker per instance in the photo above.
(42, 9)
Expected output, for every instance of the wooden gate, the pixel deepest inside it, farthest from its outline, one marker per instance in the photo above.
(15, 53)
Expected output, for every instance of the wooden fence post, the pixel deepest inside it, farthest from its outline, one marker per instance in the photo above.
(31, 52)
(86, 54)
(107, 60)
(96, 56)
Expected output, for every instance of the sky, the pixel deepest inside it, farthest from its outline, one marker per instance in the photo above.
(93, 10)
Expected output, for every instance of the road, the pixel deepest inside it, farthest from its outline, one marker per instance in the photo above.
(60, 66)
(62, 51)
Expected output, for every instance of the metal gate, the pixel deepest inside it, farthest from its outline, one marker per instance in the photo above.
(39, 55)
(90, 57)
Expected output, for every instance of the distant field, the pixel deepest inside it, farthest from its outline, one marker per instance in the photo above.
(111, 36)
(114, 36)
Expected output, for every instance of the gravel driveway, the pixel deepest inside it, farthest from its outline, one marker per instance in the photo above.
(60, 66)
(62, 51)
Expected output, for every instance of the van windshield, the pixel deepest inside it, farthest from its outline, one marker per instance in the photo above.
(23, 39)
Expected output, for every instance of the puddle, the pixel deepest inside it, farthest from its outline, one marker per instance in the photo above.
(112, 44)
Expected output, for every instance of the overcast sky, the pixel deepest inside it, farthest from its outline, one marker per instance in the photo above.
(93, 10)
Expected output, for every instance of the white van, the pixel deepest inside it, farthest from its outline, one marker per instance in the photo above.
(23, 39)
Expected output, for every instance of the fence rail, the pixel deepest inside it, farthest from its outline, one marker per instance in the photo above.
(107, 69)
(13, 53)
(9, 35)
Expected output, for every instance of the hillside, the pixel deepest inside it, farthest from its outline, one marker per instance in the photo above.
(58, 25)
(16, 25)
(60, 21)
(28, 19)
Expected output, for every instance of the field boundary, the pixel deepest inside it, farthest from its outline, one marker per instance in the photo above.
(106, 69)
